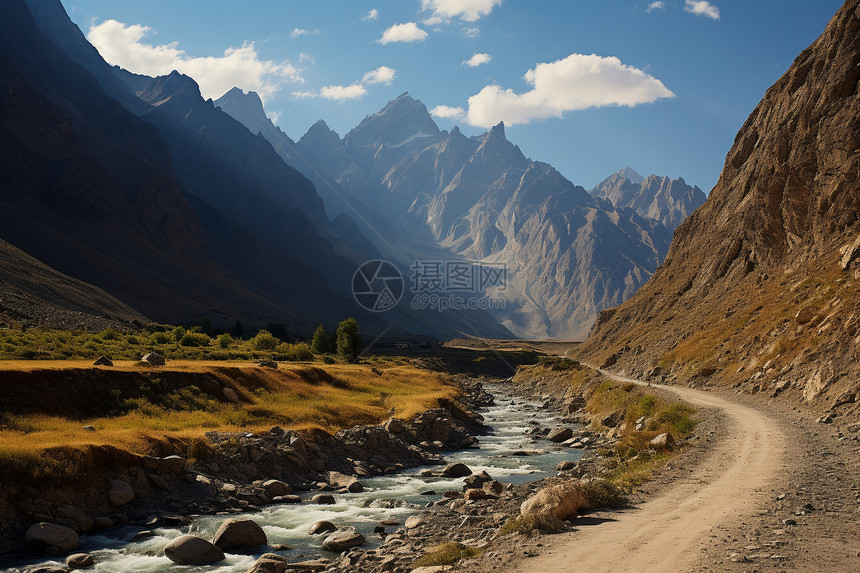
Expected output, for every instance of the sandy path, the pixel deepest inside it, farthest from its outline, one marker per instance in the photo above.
(668, 532)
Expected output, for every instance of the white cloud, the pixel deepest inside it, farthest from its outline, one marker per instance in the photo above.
(447, 112)
(123, 45)
(477, 59)
(372, 15)
(305, 94)
(655, 6)
(299, 32)
(381, 75)
(576, 82)
(446, 10)
(275, 116)
(408, 32)
(343, 93)
(471, 32)
(702, 8)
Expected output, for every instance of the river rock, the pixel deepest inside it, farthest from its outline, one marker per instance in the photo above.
(52, 535)
(562, 500)
(76, 518)
(239, 534)
(277, 488)
(343, 540)
(287, 499)
(663, 442)
(322, 527)
(493, 487)
(456, 470)
(613, 419)
(269, 563)
(323, 499)
(414, 521)
(268, 364)
(192, 550)
(394, 425)
(565, 466)
(153, 359)
(120, 493)
(80, 561)
(477, 481)
(474, 494)
(231, 396)
(339, 480)
(559, 435)
(158, 482)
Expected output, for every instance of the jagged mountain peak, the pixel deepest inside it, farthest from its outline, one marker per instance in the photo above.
(401, 121)
(320, 134)
(172, 87)
(631, 174)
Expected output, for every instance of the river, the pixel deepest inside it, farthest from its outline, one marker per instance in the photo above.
(391, 497)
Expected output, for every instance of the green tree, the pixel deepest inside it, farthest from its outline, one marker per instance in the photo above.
(348, 340)
(321, 343)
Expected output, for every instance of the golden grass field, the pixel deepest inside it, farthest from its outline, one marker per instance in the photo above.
(138, 409)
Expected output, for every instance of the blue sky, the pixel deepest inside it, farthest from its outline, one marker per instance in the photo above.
(612, 83)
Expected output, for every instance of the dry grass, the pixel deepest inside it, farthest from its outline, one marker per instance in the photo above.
(167, 405)
(447, 554)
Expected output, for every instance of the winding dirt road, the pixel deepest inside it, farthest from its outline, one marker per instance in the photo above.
(668, 532)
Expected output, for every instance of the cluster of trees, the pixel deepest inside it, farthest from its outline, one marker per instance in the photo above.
(346, 341)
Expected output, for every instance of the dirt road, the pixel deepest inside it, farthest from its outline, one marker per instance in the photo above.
(668, 532)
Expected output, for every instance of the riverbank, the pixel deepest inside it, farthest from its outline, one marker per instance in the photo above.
(92, 481)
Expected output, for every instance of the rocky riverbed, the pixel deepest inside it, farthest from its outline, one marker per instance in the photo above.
(285, 480)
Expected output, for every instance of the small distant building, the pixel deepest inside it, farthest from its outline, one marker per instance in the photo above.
(402, 345)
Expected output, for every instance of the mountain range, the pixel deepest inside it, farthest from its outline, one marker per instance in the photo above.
(187, 209)
(569, 253)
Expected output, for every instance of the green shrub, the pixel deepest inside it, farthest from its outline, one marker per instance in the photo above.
(264, 340)
(529, 523)
(559, 363)
(679, 417)
(224, 340)
(447, 554)
(193, 339)
(159, 338)
(178, 333)
(293, 352)
(109, 334)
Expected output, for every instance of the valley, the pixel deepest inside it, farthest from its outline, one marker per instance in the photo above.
(403, 341)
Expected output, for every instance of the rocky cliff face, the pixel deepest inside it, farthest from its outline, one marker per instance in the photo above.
(761, 284)
(667, 200)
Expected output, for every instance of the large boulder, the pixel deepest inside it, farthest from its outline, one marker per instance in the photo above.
(269, 563)
(103, 361)
(52, 535)
(239, 534)
(322, 527)
(663, 441)
(80, 561)
(277, 488)
(339, 480)
(456, 470)
(323, 499)
(76, 518)
(120, 493)
(342, 540)
(192, 550)
(153, 359)
(561, 500)
(559, 435)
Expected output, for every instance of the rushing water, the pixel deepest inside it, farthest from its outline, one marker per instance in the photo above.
(387, 497)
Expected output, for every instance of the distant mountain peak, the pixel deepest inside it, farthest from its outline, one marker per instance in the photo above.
(498, 130)
(629, 173)
(170, 88)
